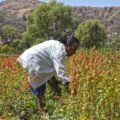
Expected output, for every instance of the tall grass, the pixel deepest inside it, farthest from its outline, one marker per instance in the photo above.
(94, 89)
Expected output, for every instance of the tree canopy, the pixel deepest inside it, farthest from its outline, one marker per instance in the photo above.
(91, 33)
(8, 33)
(47, 21)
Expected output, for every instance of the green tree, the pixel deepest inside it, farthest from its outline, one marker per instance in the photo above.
(8, 34)
(114, 43)
(91, 33)
(47, 21)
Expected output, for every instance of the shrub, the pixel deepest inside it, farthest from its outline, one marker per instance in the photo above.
(7, 49)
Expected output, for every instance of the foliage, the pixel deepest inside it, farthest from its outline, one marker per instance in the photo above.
(48, 20)
(91, 33)
(94, 89)
(97, 84)
(8, 33)
(7, 49)
(114, 43)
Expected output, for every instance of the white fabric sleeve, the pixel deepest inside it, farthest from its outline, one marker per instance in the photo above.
(58, 62)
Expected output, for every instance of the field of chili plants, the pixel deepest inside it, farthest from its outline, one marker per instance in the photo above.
(94, 90)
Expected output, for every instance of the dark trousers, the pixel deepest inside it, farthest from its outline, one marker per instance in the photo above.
(55, 86)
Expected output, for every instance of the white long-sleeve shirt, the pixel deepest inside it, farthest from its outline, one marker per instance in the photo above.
(45, 60)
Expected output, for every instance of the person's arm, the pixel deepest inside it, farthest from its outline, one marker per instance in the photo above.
(58, 62)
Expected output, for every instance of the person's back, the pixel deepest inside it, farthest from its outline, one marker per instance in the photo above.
(44, 49)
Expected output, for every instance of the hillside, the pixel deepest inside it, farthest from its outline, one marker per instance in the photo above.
(18, 8)
(14, 12)
(109, 16)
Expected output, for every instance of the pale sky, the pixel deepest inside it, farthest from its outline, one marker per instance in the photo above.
(94, 3)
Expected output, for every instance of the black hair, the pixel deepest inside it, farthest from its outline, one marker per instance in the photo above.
(69, 41)
(63, 39)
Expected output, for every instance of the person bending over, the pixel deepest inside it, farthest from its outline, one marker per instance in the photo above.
(43, 61)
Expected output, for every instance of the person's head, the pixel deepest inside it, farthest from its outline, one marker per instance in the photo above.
(71, 44)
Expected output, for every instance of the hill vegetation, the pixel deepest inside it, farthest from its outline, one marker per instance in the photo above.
(17, 10)
(15, 13)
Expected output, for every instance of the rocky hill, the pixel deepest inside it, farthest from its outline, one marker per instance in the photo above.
(109, 16)
(14, 12)
(18, 8)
